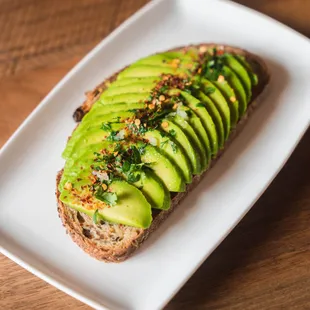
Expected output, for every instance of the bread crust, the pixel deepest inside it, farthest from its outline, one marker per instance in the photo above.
(122, 251)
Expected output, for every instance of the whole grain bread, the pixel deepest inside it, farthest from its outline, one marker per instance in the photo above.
(113, 242)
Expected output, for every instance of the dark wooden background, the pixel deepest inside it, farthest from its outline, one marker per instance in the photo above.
(263, 264)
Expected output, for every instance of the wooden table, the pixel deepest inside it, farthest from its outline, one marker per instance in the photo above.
(265, 261)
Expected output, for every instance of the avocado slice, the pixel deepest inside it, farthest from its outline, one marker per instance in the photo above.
(197, 107)
(131, 207)
(241, 97)
(172, 150)
(196, 124)
(135, 87)
(162, 60)
(84, 139)
(193, 137)
(163, 168)
(131, 80)
(241, 72)
(154, 190)
(213, 92)
(98, 120)
(128, 98)
(148, 70)
(247, 66)
(100, 109)
(215, 115)
(185, 143)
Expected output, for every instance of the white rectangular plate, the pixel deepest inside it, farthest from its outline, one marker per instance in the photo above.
(31, 232)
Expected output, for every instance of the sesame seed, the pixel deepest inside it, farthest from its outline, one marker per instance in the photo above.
(137, 122)
(104, 186)
(162, 97)
(232, 99)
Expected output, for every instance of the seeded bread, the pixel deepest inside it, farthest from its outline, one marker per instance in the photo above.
(115, 242)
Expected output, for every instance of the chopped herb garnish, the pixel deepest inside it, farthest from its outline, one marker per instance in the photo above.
(209, 90)
(132, 177)
(107, 197)
(136, 155)
(174, 147)
(163, 143)
(213, 66)
(114, 136)
(126, 166)
(200, 105)
(172, 132)
(106, 126)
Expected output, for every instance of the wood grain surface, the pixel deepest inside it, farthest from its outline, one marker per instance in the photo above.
(263, 264)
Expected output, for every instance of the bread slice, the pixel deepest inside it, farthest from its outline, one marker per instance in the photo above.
(114, 242)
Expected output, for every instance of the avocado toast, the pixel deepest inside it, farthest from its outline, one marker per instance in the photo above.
(147, 136)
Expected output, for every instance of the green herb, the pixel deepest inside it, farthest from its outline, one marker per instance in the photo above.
(136, 155)
(106, 126)
(107, 197)
(163, 134)
(200, 105)
(174, 147)
(132, 177)
(209, 90)
(113, 136)
(213, 66)
(126, 166)
(172, 132)
(163, 143)
(95, 216)
(163, 89)
(133, 110)
(142, 149)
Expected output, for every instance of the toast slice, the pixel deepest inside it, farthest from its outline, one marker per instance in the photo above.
(115, 242)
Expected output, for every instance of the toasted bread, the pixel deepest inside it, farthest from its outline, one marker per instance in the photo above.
(114, 242)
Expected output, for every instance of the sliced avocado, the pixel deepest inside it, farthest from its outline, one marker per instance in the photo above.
(163, 168)
(196, 106)
(212, 91)
(184, 141)
(154, 190)
(137, 87)
(166, 61)
(100, 109)
(241, 72)
(150, 185)
(171, 149)
(131, 207)
(215, 115)
(147, 70)
(129, 98)
(131, 80)
(196, 124)
(191, 133)
(238, 88)
(84, 139)
(100, 120)
(190, 53)
(247, 66)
